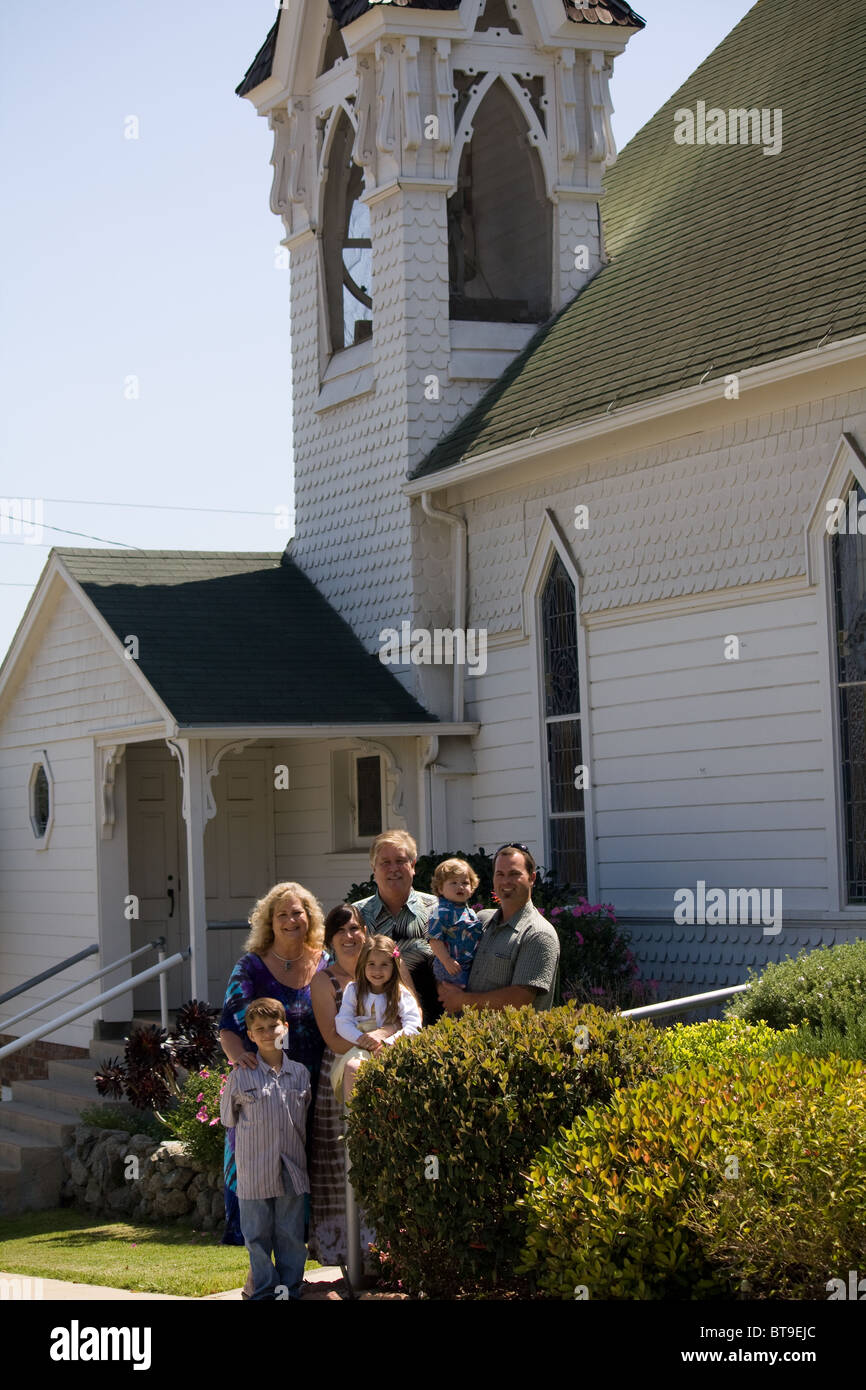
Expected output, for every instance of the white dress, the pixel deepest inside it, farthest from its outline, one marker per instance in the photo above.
(352, 1027)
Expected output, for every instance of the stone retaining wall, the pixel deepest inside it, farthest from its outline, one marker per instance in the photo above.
(111, 1171)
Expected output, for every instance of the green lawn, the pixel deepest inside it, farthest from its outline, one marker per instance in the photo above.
(67, 1244)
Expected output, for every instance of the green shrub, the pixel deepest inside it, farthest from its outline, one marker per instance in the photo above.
(796, 1215)
(717, 1041)
(818, 1040)
(125, 1117)
(196, 1118)
(479, 1095)
(609, 1204)
(813, 986)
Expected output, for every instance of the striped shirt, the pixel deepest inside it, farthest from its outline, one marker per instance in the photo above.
(408, 927)
(524, 950)
(267, 1108)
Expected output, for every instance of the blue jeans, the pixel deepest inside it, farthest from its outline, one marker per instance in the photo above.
(275, 1224)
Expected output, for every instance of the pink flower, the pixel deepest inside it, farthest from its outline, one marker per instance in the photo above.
(578, 938)
(597, 989)
(204, 1073)
(201, 1114)
(556, 912)
(214, 1122)
(200, 1095)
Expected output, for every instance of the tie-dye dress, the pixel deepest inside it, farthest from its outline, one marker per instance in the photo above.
(251, 979)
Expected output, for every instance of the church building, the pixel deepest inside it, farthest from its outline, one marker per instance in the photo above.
(580, 463)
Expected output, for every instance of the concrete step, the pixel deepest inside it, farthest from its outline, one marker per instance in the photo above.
(58, 1096)
(31, 1172)
(103, 1049)
(17, 1148)
(78, 1071)
(55, 1126)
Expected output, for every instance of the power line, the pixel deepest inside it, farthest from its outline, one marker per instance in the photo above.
(152, 507)
(66, 532)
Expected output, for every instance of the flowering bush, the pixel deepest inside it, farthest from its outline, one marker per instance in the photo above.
(195, 1120)
(596, 965)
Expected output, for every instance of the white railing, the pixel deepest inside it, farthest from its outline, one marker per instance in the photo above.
(47, 974)
(155, 945)
(690, 1001)
(157, 971)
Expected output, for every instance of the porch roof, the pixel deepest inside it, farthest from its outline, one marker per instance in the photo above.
(239, 639)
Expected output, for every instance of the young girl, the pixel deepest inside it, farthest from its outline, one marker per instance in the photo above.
(373, 1004)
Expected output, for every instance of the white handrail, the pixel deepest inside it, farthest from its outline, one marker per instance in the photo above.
(79, 984)
(690, 1001)
(89, 1005)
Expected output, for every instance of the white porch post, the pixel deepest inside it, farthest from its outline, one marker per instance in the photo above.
(191, 754)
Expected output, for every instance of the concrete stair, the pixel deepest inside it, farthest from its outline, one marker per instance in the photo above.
(37, 1124)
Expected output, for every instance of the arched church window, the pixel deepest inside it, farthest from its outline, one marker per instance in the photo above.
(500, 221)
(849, 576)
(564, 731)
(346, 245)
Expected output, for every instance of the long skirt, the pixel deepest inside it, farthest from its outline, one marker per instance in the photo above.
(328, 1240)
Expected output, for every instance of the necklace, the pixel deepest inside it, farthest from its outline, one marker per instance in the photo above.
(287, 963)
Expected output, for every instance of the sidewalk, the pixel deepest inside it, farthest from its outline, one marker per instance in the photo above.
(324, 1282)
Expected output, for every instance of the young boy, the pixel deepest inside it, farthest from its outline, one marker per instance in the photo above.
(453, 929)
(268, 1107)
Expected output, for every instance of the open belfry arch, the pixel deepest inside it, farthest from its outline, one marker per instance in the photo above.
(438, 172)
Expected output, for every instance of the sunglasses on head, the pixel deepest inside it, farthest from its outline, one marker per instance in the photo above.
(514, 844)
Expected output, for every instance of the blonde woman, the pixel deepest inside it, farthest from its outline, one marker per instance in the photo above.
(282, 955)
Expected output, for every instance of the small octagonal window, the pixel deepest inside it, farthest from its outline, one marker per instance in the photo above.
(41, 800)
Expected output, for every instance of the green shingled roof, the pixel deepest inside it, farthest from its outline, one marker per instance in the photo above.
(722, 257)
(239, 639)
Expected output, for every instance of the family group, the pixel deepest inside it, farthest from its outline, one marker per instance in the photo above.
(313, 997)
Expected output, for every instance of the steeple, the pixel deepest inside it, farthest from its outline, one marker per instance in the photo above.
(438, 172)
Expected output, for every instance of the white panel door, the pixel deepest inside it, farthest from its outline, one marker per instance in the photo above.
(239, 857)
(156, 856)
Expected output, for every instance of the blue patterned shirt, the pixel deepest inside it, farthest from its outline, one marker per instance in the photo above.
(459, 927)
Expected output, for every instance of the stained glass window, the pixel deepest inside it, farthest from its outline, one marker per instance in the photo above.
(849, 575)
(564, 730)
(41, 803)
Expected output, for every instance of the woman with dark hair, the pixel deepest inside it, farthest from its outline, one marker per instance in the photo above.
(345, 935)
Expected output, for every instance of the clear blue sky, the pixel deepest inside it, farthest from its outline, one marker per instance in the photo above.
(155, 258)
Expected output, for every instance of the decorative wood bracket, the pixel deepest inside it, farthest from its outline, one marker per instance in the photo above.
(110, 759)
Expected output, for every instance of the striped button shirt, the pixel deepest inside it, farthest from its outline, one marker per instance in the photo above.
(267, 1108)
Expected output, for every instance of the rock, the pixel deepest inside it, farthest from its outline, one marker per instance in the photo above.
(142, 1145)
(78, 1174)
(173, 1203)
(218, 1208)
(85, 1138)
(203, 1204)
(106, 1163)
(172, 1149)
(121, 1199)
(195, 1186)
(178, 1178)
(208, 1223)
(93, 1193)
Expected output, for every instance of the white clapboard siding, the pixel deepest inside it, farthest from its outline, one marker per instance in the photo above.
(710, 769)
(505, 795)
(73, 685)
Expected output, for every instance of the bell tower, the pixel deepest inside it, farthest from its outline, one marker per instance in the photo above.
(438, 172)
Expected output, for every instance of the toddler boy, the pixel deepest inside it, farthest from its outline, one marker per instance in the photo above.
(453, 929)
(267, 1105)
